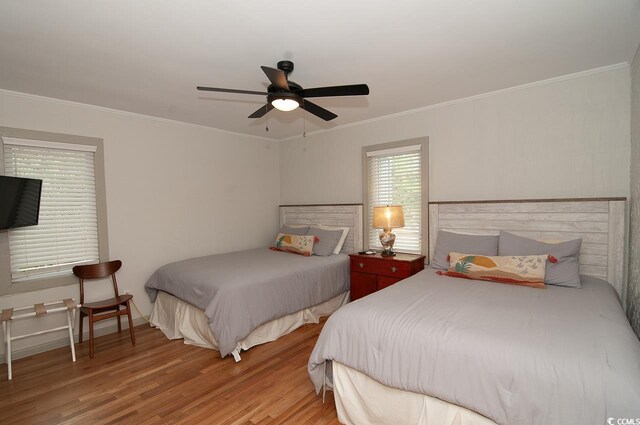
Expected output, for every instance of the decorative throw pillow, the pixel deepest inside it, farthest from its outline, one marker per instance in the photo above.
(516, 270)
(326, 240)
(458, 242)
(565, 272)
(295, 244)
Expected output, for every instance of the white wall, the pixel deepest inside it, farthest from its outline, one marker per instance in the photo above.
(173, 190)
(556, 139)
(633, 293)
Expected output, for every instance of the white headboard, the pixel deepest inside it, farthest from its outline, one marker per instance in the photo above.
(601, 223)
(338, 215)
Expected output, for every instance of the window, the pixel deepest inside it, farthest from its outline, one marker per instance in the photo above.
(71, 229)
(395, 174)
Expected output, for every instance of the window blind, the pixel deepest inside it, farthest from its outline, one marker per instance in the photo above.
(395, 178)
(67, 230)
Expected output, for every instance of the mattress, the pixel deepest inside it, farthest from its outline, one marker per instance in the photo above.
(513, 354)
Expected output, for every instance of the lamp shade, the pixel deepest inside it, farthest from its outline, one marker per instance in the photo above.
(388, 217)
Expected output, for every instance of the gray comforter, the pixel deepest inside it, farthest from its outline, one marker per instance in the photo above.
(240, 291)
(516, 355)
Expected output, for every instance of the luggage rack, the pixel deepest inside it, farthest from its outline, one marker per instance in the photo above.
(38, 310)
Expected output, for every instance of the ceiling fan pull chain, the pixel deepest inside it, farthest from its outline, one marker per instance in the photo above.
(266, 107)
(304, 121)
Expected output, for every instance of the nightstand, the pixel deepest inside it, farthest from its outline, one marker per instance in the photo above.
(370, 273)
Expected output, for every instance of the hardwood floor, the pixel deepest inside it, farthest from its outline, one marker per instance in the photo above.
(160, 381)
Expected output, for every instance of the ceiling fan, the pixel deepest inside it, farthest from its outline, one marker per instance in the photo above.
(287, 95)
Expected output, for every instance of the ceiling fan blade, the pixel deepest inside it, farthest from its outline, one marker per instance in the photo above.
(318, 111)
(277, 77)
(350, 90)
(230, 90)
(262, 111)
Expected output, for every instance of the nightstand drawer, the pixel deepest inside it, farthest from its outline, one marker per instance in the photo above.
(371, 273)
(396, 269)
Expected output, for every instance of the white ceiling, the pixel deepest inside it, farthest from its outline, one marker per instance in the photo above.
(147, 56)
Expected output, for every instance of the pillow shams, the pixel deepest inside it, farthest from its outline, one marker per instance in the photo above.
(457, 242)
(295, 244)
(566, 272)
(514, 270)
(326, 240)
(294, 229)
(345, 232)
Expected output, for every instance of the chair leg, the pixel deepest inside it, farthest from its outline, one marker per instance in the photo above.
(90, 334)
(133, 338)
(119, 324)
(81, 322)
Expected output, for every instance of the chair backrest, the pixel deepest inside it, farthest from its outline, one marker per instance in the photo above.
(97, 271)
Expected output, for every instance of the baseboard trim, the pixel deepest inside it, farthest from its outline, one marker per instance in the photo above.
(64, 342)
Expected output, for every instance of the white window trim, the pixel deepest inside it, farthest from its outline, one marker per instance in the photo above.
(394, 151)
(48, 145)
(47, 138)
(395, 148)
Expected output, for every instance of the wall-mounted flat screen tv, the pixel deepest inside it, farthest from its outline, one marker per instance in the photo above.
(19, 202)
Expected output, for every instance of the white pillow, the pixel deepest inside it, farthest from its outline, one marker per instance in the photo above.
(345, 231)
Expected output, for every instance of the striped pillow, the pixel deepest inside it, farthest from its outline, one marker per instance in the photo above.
(523, 270)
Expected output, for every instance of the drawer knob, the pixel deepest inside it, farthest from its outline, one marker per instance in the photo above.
(393, 269)
(361, 265)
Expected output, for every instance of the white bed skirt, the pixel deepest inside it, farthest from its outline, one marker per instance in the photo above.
(179, 319)
(362, 400)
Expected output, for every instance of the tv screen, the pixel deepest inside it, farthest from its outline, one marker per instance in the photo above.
(19, 202)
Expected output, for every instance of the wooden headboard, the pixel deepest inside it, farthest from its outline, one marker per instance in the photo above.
(601, 223)
(338, 215)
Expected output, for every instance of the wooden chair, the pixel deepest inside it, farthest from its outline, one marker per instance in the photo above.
(105, 309)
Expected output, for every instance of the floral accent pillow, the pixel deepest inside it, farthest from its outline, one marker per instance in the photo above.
(295, 244)
(523, 270)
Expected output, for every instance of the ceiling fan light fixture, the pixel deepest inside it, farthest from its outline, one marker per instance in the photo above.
(285, 104)
(284, 101)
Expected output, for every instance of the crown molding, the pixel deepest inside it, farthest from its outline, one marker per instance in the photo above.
(468, 99)
(127, 113)
(339, 127)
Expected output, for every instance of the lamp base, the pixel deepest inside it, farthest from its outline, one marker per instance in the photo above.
(387, 238)
(389, 253)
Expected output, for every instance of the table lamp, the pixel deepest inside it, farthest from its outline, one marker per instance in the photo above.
(387, 218)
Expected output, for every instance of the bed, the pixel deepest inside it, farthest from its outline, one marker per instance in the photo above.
(442, 350)
(233, 301)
